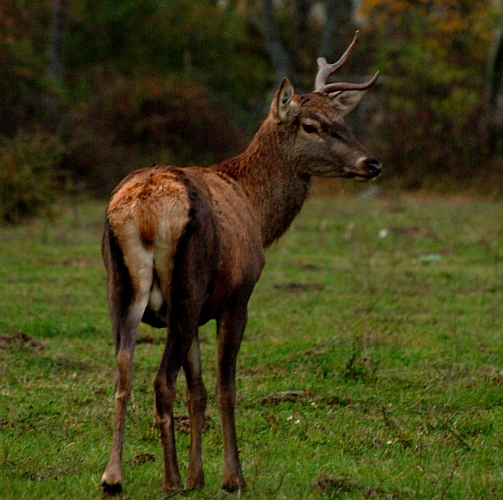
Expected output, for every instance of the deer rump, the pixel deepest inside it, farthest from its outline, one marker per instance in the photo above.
(182, 236)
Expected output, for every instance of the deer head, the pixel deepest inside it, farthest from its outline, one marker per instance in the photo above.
(319, 139)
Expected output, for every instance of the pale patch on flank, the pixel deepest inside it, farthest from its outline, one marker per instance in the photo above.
(148, 215)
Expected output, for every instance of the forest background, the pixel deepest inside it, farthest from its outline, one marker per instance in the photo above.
(92, 89)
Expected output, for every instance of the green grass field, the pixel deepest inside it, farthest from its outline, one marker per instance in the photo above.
(372, 365)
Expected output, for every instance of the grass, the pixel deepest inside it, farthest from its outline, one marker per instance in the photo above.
(372, 365)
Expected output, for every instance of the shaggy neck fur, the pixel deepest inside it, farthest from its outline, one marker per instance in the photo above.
(266, 172)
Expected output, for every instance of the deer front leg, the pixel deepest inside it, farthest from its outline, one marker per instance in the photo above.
(196, 401)
(230, 327)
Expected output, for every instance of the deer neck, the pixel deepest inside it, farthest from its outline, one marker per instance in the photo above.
(266, 173)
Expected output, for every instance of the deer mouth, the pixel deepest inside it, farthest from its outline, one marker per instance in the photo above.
(367, 169)
(361, 177)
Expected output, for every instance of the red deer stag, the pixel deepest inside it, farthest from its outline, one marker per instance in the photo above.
(185, 245)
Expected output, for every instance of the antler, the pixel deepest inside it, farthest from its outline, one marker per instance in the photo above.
(325, 70)
(339, 86)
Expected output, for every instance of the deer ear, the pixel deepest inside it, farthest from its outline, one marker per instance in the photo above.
(282, 100)
(346, 100)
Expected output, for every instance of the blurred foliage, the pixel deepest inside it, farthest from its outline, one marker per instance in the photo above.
(188, 82)
(28, 175)
(135, 122)
(434, 56)
(145, 80)
(23, 42)
(156, 81)
(151, 38)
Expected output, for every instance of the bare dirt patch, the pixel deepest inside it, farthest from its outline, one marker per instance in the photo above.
(20, 340)
(281, 397)
(299, 287)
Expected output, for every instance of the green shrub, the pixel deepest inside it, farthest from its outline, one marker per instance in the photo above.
(28, 175)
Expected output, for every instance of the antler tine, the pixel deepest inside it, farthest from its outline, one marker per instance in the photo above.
(339, 86)
(325, 69)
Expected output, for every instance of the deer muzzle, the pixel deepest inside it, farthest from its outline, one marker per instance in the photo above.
(366, 168)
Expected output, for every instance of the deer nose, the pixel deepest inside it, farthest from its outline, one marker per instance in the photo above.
(373, 167)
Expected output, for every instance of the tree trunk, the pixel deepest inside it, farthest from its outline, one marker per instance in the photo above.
(279, 58)
(56, 47)
(338, 20)
(494, 127)
(55, 55)
(292, 61)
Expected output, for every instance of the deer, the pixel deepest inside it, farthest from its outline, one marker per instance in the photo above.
(183, 246)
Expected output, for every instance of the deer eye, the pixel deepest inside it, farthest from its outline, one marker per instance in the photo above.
(309, 129)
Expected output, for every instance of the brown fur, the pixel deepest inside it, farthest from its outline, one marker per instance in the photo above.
(183, 246)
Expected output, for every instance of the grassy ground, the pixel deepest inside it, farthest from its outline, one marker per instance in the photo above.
(382, 319)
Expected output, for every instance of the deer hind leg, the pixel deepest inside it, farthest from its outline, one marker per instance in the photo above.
(194, 263)
(182, 334)
(180, 339)
(230, 329)
(127, 303)
(196, 401)
(113, 476)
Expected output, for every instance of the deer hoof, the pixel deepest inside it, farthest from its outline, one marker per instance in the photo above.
(172, 486)
(234, 484)
(195, 483)
(112, 482)
(110, 490)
